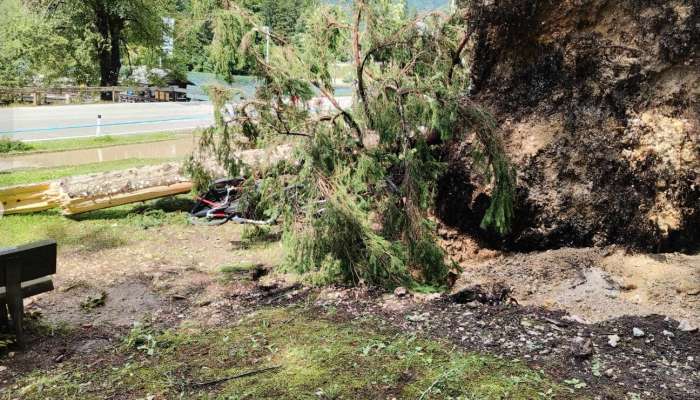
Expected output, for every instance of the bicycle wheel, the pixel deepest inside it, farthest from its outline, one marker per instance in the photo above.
(207, 221)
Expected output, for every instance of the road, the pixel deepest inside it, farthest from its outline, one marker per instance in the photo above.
(62, 122)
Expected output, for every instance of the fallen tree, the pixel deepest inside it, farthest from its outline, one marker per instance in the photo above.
(80, 194)
(364, 185)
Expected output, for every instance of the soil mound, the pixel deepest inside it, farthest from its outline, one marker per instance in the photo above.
(599, 103)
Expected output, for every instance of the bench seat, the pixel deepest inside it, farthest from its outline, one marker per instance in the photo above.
(31, 288)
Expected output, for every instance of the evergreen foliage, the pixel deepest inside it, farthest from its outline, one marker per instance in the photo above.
(356, 205)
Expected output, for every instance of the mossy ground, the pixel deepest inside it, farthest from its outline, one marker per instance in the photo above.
(315, 357)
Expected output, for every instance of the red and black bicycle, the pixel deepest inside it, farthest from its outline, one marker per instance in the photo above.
(222, 203)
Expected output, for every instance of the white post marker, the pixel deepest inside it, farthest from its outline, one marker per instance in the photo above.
(98, 127)
(266, 29)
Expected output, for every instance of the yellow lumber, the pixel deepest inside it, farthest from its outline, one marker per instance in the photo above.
(82, 205)
(80, 194)
(29, 198)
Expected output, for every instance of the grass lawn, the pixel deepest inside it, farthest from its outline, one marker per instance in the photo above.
(90, 142)
(46, 174)
(285, 353)
(94, 230)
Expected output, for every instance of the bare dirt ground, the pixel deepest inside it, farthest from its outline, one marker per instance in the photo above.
(594, 284)
(176, 278)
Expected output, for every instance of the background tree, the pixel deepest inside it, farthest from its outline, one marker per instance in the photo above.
(209, 31)
(37, 50)
(118, 24)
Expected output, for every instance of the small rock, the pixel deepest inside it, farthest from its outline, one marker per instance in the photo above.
(416, 318)
(427, 297)
(526, 323)
(92, 346)
(472, 304)
(3, 368)
(686, 326)
(400, 291)
(574, 318)
(609, 372)
(668, 334)
(636, 332)
(581, 347)
(613, 340)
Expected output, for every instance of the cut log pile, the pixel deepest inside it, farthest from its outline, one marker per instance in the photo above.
(80, 194)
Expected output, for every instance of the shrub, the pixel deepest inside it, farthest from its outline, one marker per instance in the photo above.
(8, 145)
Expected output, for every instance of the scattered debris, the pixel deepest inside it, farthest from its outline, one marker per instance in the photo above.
(258, 272)
(90, 303)
(493, 295)
(636, 332)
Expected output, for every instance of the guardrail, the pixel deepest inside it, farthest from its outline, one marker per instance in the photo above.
(41, 95)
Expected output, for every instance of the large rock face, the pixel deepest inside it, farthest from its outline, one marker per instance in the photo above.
(599, 103)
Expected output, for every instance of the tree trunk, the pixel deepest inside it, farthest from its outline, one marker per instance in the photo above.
(109, 52)
(81, 194)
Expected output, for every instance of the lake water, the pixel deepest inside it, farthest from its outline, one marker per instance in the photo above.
(245, 85)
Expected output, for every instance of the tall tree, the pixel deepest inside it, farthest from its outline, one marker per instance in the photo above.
(118, 24)
(209, 31)
(36, 50)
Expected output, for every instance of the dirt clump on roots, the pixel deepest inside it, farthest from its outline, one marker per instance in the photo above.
(599, 105)
(594, 284)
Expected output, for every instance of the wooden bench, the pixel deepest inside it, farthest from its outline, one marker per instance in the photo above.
(24, 272)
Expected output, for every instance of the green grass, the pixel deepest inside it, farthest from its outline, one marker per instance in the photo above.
(313, 357)
(46, 174)
(95, 230)
(89, 142)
